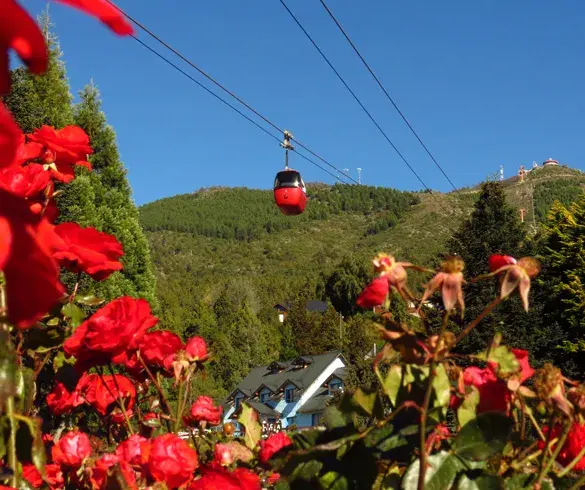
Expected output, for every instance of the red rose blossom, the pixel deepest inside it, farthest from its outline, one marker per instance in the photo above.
(102, 392)
(222, 454)
(32, 276)
(272, 445)
(99, 472)
(135, 450)
(60, 401)
(18, 31)
(72, 449)
(156, 346)
(87, 250)
(110, 332)
(203, 410)
(53, 472)
(494, 395)
(172, 460)
(375, 294)
(572, 447)
(214, 478)
(196, 349)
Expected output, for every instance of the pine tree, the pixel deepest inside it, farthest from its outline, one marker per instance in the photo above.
(46, 99)
(346, 283)
(102, 199)
(493, 227)
(563, 280)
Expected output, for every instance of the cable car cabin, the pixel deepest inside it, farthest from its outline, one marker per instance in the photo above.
(290, 193)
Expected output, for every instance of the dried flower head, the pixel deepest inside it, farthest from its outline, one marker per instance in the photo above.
(449, 279)
(515, 274)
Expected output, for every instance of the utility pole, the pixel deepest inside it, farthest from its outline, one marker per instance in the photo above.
(359, 170)
(341, 331)
(522, 213)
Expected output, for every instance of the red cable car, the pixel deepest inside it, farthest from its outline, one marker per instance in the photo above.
(290, 193)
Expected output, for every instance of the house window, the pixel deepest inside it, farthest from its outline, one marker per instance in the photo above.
(237, 402)
(334, 386)
(264, 396)
(289, 394)
(315, 419)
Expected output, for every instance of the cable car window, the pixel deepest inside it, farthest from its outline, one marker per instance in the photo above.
(287, 179)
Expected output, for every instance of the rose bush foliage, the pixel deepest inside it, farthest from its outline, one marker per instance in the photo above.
(436, 419)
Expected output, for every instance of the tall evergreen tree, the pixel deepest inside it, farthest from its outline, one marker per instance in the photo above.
(102, 199)
(563, 281)
(46, 99)
(493, 227)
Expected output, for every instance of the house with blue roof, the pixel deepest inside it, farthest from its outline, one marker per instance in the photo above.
(290, 393)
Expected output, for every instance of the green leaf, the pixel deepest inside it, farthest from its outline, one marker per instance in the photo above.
(393, 382)
(74, 313)
(441, 472)
(384, 439)
(526, 481)
(153, 423)
(25, 389)
(60, 360)
(89, 300)
(334, 418)
(467, 410)
(391, 480)
(53, 322)
(249, 419)
(442, 386)
(483, 437)
(364, 402)
(307, 470)
(482, 482)
(503, 357)
(334, 481)
(29, 442)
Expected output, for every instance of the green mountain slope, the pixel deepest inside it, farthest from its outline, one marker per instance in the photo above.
(202, 240)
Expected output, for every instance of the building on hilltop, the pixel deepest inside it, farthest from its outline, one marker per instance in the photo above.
(550, 162)
(292, 393)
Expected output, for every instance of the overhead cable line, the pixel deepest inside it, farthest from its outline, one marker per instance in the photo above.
(386, 92)
(403, 158)
(226, 90)
(231, 106)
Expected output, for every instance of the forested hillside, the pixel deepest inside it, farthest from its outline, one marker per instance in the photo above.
(234, 245)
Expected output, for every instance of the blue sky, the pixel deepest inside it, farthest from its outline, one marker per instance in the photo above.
(484, 84)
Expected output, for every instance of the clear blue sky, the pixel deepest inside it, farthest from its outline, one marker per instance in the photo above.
(483, 83)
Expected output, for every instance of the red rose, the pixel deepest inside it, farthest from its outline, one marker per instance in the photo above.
(64, 148)
(196, 349)
(375, 294)
(498, 261)
(102, 392)
(494, 395)
(32, 475)
(272, 445)
(72, 449)
(27, 182)
(203, 410)
(99, 472)
(110, 332)
(219, 479)
(223, 455)
(135, 450)
(87, 250)
(32, 276)
(155, 347)
(105, 12)
(526, 371)
(572, 447)
(18, 31)
(172, 460)
(60, 401)
(273, 478)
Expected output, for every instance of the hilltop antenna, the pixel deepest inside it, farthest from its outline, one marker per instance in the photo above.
(286, 144)
(359, 171)
(501, 173)
(346, 170)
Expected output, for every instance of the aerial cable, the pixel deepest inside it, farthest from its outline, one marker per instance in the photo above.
(361, 105)
(226, 90)
(386, 93)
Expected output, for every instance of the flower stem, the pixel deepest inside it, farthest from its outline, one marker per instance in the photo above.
(578, 484)
(118, 398)
(159, 389)
(545, 467)
(12, 459)
(495, 302)
(179, 406)
(572, 464)
(425, 406)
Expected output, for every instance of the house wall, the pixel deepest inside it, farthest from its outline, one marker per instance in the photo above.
(301, 420)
